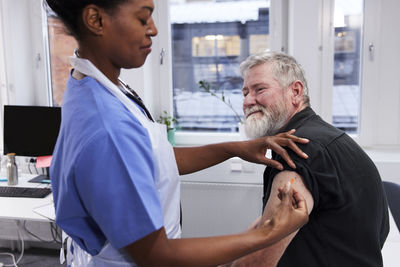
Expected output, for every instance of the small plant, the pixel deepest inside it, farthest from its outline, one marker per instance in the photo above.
(167, 120)
(205, 86)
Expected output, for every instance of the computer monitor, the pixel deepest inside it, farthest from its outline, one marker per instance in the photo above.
(31, 131)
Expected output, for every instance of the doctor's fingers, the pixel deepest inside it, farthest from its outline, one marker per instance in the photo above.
(272, 163)
(299, 213)
(289, 135)
(296, 197)
(300, 201)
(289, 140)
(275, 144)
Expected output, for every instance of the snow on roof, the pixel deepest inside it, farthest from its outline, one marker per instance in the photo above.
(350, 7)
(208, 12)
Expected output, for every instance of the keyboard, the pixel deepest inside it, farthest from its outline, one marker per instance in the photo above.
(30, 192)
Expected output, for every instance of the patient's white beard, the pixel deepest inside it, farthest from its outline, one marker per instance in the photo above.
(272, 120)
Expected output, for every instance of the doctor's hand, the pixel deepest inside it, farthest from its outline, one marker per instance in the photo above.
(290, 214)
(255, 150)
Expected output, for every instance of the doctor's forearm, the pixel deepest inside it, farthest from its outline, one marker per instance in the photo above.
(192, 159)
(156, 250)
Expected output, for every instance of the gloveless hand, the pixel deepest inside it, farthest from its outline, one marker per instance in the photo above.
(255, 150)
(290, 215)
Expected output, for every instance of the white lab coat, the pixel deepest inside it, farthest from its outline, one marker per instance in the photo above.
(166, 177)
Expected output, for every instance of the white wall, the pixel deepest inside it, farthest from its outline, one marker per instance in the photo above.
(305, 42)
(23, 45)
(387, 46)
(380, 111)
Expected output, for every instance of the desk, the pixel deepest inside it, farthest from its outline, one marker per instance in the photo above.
(13, 208)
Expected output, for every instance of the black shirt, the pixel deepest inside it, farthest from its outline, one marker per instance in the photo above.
(349, 222)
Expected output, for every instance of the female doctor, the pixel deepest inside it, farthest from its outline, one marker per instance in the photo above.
(114, 174)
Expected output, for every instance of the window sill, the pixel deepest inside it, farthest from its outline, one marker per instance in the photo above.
(387, 160)
(203, 138)
(384, 154)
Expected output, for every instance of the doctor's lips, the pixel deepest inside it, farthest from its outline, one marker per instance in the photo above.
(146, 48)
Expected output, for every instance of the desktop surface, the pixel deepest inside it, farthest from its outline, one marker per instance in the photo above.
(22, 208)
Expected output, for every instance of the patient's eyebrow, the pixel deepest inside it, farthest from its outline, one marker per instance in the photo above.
(258, 84)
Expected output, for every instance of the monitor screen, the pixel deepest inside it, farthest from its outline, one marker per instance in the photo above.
(31, 131)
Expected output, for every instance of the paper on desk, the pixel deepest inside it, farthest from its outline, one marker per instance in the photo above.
(43, 162)
(46, 210)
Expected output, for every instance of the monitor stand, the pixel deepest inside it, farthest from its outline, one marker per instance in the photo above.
(43, 178)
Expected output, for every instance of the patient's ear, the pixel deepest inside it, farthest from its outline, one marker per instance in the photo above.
(297, 90)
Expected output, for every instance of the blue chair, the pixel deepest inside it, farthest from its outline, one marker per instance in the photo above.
(393, 197)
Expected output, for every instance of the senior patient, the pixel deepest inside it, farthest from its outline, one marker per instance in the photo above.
(348, 221)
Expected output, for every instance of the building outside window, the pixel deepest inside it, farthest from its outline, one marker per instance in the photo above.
(61, 47)
(348, 21)
(209, 41)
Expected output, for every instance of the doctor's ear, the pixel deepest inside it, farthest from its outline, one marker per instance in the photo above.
(93, 19)
(297, 90)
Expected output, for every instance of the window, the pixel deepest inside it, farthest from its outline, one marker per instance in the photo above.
(61, 47)
(258, 42)
(348, 18)
(215, 45)
(209, 41)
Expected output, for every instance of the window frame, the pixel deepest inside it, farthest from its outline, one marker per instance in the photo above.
(191, 137)
(286, 36)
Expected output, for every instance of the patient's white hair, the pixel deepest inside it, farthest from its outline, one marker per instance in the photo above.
(285, 69)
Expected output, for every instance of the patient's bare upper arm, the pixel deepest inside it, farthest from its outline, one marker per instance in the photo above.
(275, 252)
(279, 181)
(271, 255)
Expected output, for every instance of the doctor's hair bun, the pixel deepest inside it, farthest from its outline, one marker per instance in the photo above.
(70, 11)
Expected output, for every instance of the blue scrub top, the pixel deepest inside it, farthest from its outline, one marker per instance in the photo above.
(102, 171)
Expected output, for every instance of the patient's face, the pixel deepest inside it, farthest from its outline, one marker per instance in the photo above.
(265, 102)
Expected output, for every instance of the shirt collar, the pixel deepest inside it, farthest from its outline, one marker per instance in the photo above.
(298, 119)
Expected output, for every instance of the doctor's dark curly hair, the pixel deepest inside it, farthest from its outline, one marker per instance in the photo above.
(70, 11)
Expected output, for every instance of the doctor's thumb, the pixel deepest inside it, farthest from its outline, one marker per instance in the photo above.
(286, 193)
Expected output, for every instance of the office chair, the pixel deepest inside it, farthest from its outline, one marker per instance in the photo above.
(393, 197)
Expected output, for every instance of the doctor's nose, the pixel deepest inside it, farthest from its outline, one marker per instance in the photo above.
(152, 29)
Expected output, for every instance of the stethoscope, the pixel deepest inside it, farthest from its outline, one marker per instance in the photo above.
(129, 92)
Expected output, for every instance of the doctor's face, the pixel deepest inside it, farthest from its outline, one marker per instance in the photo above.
(128, 37)
(265, 103)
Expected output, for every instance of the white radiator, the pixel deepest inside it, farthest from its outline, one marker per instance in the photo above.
(218, 208)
